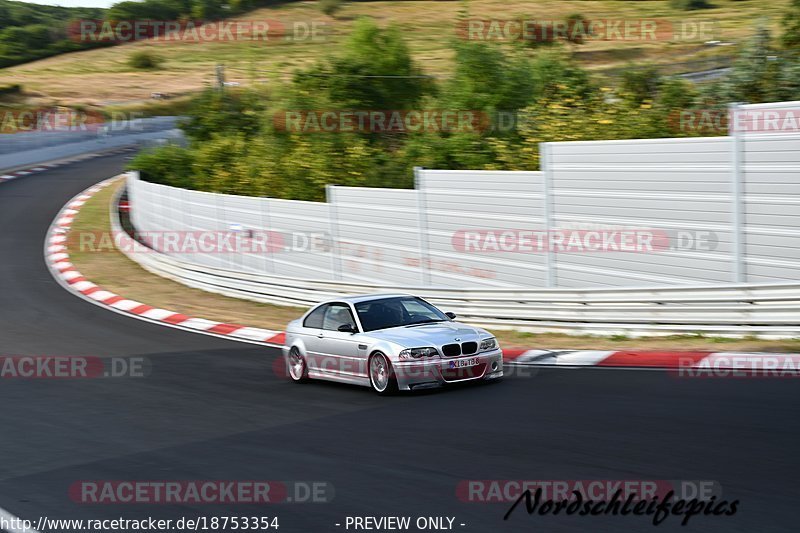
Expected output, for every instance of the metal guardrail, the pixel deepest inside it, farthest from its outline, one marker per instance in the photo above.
(32, 148)
(34, 140)
(765, 310)
(714, 210)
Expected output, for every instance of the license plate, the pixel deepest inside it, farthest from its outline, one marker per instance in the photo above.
(464, 363)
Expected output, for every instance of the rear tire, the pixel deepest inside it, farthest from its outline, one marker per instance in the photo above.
(296, 366)
(381, 375)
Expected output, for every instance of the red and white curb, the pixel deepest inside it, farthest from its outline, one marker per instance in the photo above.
(57, 257)
(761, 362)
(28, 171)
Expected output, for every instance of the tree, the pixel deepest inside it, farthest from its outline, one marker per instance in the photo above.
(791, 26)
(148, 9)
(217, 112)
(144, 60)
(25, 41)
(690, 5)
(169, 165)
(374, 71)
(753, 73)
(555, 74)
(5, 16)
(676, 94)
(788, 80)
(208, 9)
(330, 7)
(577, 28)
(640, 84)
(486, 79)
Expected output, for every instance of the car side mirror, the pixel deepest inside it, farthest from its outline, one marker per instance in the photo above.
(347, 328)
(450, 315)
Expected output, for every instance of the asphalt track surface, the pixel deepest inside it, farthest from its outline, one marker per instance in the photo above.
(215, 409)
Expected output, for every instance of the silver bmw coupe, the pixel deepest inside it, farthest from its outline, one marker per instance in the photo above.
(388, 342)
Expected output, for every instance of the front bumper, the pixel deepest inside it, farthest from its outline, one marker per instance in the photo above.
(439, 371)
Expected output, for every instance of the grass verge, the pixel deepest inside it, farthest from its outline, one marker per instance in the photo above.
(116, 273)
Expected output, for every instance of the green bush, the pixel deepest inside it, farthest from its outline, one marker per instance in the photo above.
(168, 165)
(791, 26)
(487, 79)
(238, 146)
(374, 70)
(690, 5)
(11, 88)
(330, 7)
(640, 83)
(144, 60)
(227, 112)
(759, 74)
(577, 25)
(29, 31)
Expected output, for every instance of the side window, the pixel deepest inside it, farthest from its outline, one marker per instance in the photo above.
(337, 315)
(314, 320)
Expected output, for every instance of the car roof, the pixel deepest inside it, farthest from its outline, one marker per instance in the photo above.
(368, 297)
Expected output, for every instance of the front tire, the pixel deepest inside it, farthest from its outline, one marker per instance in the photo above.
(296, 366)
(381, 375)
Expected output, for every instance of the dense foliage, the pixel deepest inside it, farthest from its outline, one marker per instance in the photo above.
(144, 60)
(31, 31)
(791, 26)
(238, 146)
(760, 74)
(184, 9)
(239, 142)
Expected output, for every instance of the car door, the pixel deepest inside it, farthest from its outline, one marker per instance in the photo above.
(341, 357)
(313, 337)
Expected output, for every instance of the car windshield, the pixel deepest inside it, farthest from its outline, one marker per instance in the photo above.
(399, 311)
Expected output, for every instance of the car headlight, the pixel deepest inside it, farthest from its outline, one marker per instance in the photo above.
(416, 353)
(488, 344)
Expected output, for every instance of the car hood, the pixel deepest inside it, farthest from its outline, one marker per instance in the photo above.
(428, 334)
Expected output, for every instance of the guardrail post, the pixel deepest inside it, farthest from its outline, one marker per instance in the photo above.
(224, 227)
(546, 166)
(422, 207)
(131, 186)
(336, 248)
(186, 213)
(269, 233)
(737, 208)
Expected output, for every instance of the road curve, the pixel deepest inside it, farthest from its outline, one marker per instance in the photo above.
(214, 409)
